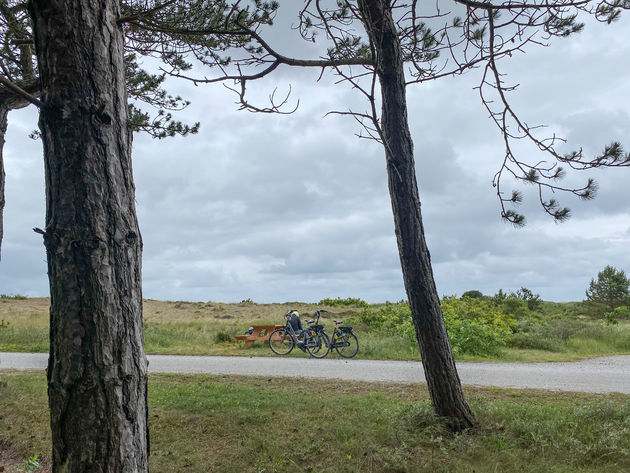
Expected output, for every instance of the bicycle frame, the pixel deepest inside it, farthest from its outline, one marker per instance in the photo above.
(334, 342)
(312, 339)
(337, 339)
(315, 325)
(294, 336)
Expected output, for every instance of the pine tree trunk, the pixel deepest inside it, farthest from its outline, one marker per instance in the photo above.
(4, 112)
(437, 356)
(97, 367)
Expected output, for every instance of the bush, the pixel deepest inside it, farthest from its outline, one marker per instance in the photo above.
(479, 310)
(348, 301)
(474, 326)
(609, 291)
(223, 337)
(522, 303)
(515, 306)
(473, 337)
(17, 297)
(532, 300)
(392, 318)
(563, 329)
(612, 317)
(553, 334)
(473, 294)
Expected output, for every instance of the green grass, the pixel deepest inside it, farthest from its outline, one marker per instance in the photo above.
(566, 339)
(24, 339)
(252, 424)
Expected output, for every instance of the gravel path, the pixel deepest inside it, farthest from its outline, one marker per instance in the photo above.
(597, 375)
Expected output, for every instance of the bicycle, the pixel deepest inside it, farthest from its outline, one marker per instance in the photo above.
(344, 341)
(314, 340)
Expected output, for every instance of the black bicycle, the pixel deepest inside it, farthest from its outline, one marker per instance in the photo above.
(344, 341)
(312, 339)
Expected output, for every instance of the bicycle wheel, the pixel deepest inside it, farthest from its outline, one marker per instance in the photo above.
(347, 345)
(281, 342)
(318, 345)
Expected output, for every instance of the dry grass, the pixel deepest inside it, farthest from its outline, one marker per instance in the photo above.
(33, 312)
(170, 327)
(27, 313)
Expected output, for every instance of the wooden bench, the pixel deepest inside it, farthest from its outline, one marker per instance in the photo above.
(261, 332)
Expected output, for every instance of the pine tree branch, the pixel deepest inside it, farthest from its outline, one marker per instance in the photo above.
(136, 16)
(522, 6)
(21, 92)
(280, 58)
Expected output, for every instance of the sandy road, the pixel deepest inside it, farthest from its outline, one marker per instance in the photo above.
(597, 375)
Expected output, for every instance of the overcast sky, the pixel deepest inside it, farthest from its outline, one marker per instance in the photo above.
(296, 208)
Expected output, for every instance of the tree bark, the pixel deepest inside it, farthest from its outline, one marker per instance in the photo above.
(4, 112)
(437, 356)
(97, 382)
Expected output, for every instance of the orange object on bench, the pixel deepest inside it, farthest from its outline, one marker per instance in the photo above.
(261, 332)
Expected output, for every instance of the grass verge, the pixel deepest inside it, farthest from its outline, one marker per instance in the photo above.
(251, 424)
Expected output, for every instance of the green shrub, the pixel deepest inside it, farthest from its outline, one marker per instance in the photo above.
(611, 319)
(610, 290)
(473, 337)
(392, 318)
(516, 306)
(348, 301)
(552, 335)
(532, 300)
(621, 312)
(223, 337)
(522, 303)
(476, 327)
(563, 329)
(31, 465)
(479, 310)
(528, 324)
(17, 297)
(473, 294)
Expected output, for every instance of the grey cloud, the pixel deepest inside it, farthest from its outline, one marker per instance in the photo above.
(279, 208)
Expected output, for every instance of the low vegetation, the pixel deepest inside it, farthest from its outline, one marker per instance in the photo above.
(609, 291)
(252, 424)
(13, 296)
(515, 326)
